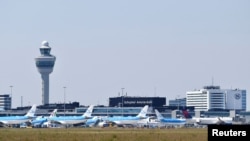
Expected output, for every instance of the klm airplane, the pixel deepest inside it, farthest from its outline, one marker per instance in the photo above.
(127, 121)
(72, 120)
(169, 121)
(14, 120)
(41, 120)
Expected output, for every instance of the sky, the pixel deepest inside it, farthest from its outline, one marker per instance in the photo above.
(150, 48)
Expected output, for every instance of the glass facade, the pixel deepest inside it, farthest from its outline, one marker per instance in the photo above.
(244, 99)
(217, 100)
(45, 51)
(45, 64)
(180, 102)
(5, 102)
(112, 111)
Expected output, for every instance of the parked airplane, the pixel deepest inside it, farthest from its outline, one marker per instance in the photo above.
(73, 120)
(42, 121)
(17, 120)
(96, 121)
(130, 120)
(169, 121)
(206, 120)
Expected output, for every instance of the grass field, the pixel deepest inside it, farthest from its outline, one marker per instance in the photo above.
(102, 134)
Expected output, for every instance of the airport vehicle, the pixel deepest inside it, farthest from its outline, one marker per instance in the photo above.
(150, 122)
(72, 120)
(129, 120)
(17, 120)
(206, 120)
(169, 121)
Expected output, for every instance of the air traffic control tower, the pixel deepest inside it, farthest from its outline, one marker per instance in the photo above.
(45, 64)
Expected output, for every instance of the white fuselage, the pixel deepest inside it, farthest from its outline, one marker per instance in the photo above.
(13, 120)
(211, 120)
(68, 120)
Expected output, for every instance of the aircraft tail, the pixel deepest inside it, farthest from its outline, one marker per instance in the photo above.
(53, 114)
(158, 115)
(143, 113)
(88, 113)
(186, 114)
(31, 112)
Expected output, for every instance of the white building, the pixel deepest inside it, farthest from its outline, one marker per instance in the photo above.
(212, 97)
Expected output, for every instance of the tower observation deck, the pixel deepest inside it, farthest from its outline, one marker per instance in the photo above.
(45, 64)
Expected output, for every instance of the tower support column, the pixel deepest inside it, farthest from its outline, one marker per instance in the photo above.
(45, 89)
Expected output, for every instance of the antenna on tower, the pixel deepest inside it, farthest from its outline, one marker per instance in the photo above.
(212, 81)
(21, 101)
(155, 91)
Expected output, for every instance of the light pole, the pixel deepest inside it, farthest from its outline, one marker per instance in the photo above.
(64, 97)
(107, 108)
(11, 96)
(122, 100)
(178, 101)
